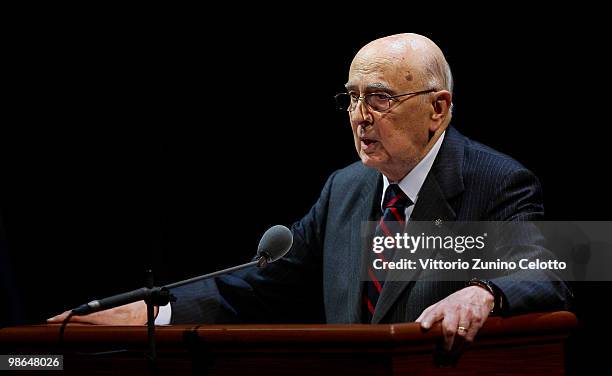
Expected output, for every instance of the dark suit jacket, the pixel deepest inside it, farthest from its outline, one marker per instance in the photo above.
(319, 280)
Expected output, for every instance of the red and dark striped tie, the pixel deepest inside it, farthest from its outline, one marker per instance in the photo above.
(391, 223)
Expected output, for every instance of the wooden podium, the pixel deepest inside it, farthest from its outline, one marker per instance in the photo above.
(522, 345)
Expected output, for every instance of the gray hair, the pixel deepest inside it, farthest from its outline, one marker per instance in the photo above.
(438, 74)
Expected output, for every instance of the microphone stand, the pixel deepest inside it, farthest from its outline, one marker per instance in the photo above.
(161, 297)
(152, 359)
(260, 262)
(157, 296)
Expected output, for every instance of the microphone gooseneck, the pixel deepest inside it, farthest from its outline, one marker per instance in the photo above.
(274, 244)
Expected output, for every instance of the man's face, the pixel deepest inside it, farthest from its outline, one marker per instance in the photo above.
(393, 141)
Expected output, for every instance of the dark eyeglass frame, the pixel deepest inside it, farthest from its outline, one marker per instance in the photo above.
(366, 97)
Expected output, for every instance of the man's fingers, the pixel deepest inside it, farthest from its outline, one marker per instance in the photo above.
(129, 314)
(449, 329)
(432, 316)
(473, 330)
(424, 313)
(59, 318)
(466, 331)
(463, 328)
(459, 345)
(462, 313)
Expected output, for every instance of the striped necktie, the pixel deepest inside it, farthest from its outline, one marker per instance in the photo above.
(391, 223)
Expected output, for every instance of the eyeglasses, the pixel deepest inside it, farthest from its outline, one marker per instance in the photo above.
(378, 102)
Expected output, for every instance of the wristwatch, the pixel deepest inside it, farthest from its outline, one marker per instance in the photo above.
(498, 299)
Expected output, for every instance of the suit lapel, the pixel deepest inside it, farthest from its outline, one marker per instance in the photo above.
(443, 182)
(430, 206)
(358, 248)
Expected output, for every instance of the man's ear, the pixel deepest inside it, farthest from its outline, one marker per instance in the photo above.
(441, 103)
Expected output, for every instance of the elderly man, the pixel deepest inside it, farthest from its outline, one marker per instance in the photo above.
(399, 96)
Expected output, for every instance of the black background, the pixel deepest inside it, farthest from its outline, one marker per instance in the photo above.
(176, 152)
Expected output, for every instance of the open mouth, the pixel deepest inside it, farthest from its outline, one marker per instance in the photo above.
(367, 142)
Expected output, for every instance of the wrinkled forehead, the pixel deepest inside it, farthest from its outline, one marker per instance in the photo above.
(373, 70)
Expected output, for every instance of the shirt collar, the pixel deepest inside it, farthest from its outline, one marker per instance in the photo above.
(411, 184)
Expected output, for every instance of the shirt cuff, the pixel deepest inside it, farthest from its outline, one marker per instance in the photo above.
(164, 314)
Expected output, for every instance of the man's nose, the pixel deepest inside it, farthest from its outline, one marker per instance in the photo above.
(361, 113)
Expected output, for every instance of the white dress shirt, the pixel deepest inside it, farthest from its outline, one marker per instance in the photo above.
(411, 184)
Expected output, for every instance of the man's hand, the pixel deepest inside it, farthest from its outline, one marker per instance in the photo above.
(129, 314)
(462, 314)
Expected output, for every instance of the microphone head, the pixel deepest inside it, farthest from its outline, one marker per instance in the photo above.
(275, 243)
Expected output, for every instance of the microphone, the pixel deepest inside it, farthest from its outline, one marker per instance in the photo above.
(274, 244)
(113, 301)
